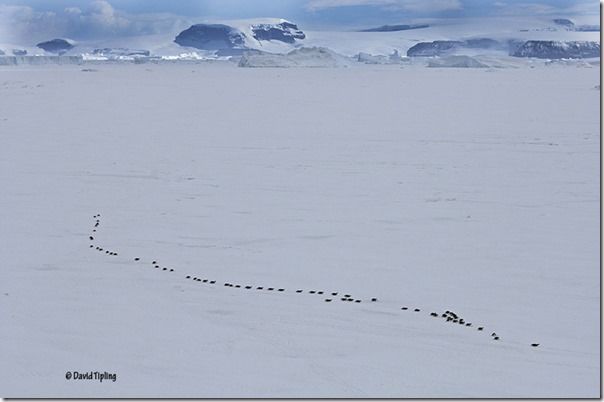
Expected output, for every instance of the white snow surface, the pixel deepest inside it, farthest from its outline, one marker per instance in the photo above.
(472, 190)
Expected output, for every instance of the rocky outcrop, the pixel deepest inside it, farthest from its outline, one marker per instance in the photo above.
(395, 28)
(211, 37)
(57, 46)
(285, 31)
(547, 49)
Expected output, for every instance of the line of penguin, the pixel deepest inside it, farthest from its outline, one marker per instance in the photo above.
(448, 316)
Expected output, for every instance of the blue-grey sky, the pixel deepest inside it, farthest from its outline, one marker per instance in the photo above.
(84, 19)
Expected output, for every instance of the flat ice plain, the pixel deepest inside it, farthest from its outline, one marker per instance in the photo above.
(469, 190)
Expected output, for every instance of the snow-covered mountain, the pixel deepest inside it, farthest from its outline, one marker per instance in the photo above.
(275, 35)
(230, 39)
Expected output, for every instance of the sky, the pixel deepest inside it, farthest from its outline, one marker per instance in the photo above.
(89, 19)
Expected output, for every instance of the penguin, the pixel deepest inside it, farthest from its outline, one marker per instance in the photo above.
(455, 320)
(480, 328)
(344, 298)
(327, 300)
(312, 292)
(468, 324)
(449, 319)
(212, 282)
(106, 251)
(171, 270)
(357, 301)
(534, 345)
(137, 259)
(493, 334)
(349, 299)
(188, 277)
(205, 281)
(299, 291)
(334, 293)
(444, 316)
(154, 262)
(280, 290)
(259, 288)
(164, 269)
(417, 310)
(496, 338)
(91, 238)
(270, 288)
(237, 286)
(434, 314)
(404, 308)
(320, 292)
(248, 287)
(374, 299)
(91, 246)
(346, 295)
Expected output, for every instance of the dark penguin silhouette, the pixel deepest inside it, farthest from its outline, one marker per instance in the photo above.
(468, 324)
(349, 299)
(480, 328)
(346, 295)
(404, 308)
(259, 288)
(493, 334)
(534, 345)
(327, 300)
(312, 292)
(344, 298)
(204, 281)
(496, 338)
(164, 269)
(137, 259)
(280, 290)
(171, 270)
(416, 310)
(270, 289)
(334, 293)
(91, 246)
(212, 282)
(91, 238)
(357, 301)
(320, 292)
(237, 286)
(299, 291)
(188, 276)
(373, 299)
(248, 287)
(434, 314)
(154, 262)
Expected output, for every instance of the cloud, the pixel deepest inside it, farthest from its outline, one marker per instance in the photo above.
(583, 7)
(23, 24)
(416, 6)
